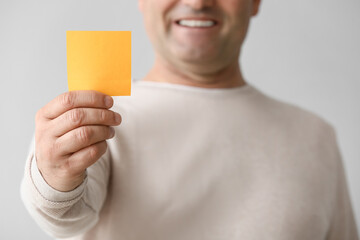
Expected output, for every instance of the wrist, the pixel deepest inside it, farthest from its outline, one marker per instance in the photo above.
(50, 193)
(64, 184)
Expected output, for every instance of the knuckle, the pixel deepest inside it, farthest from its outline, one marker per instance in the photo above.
(66, 168)
(84, 134)
(67, 99)
(92, 98)
(38, 115)
(94, 152)
(56, 147)
(49, 152)
(103, 115)
(97, 150)
(76, 116)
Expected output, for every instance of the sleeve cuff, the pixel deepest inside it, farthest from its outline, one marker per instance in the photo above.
(48, 192)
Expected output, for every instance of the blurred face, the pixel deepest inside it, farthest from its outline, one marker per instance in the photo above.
(197, 32)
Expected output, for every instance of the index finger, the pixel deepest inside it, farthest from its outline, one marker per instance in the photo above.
(76, 99)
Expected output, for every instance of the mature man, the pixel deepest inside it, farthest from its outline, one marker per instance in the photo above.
(200, 153)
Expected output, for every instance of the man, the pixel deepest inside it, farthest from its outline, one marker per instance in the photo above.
(200, 153)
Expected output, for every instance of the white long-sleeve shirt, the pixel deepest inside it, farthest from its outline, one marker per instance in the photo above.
(190, 163)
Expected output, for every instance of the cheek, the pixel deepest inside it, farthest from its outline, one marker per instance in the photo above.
(154, 12)
(238, 10)
(150, 19)
(238, 14)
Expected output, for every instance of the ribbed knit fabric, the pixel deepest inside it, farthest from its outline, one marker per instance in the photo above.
(190, 163)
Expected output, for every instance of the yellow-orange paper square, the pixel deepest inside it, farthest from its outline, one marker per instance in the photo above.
(99, 60)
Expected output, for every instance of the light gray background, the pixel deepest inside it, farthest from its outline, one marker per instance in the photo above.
(305, 52)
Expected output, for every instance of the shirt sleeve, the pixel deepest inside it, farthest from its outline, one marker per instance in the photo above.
(343, 224)
(65, 214)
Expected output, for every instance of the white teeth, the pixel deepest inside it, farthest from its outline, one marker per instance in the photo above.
(197, 23)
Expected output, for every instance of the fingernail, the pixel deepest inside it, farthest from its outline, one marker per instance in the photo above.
(117, 118)
(108, 101)
(112, 132)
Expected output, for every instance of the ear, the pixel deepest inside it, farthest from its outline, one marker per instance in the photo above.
(141, 5)
(256, 6)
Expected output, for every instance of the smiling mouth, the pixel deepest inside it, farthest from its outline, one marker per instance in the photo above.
(192, 23)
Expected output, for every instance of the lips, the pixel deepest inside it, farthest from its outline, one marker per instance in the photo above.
(196, 22)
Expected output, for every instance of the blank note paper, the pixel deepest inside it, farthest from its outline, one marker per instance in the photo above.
(99, 60)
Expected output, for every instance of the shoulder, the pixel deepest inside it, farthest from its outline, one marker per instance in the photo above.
(303, 133)
(292, 116)
(296, 127)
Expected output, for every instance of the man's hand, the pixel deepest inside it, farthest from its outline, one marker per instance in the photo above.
(70, 135)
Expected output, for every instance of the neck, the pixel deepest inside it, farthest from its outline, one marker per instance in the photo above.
(227, 77)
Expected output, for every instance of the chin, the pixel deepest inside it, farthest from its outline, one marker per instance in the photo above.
(194, 56)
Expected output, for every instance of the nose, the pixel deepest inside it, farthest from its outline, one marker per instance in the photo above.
(199, 4)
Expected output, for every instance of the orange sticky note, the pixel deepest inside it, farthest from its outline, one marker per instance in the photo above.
(99, 60)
